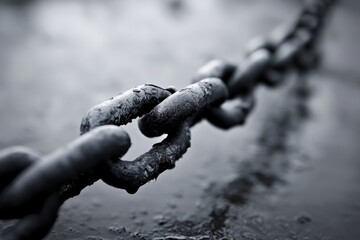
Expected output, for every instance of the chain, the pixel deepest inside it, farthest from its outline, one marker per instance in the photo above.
(33, 188)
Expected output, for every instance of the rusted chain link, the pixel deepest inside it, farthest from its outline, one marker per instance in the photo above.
(33, 187)
(130, 175)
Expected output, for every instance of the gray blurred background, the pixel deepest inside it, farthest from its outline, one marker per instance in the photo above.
(59, 58)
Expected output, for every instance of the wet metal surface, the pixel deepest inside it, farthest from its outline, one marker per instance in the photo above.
(290, 173)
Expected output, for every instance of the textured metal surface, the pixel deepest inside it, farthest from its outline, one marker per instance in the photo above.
(36, 187)
(130, 175)
(64, 165)
(123, 108)
(181, 105)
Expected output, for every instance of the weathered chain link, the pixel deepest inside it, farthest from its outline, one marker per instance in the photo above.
(33, 188)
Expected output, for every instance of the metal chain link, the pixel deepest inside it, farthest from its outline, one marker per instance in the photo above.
(33, 188)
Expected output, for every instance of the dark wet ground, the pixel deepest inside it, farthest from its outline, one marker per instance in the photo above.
(292, 172)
